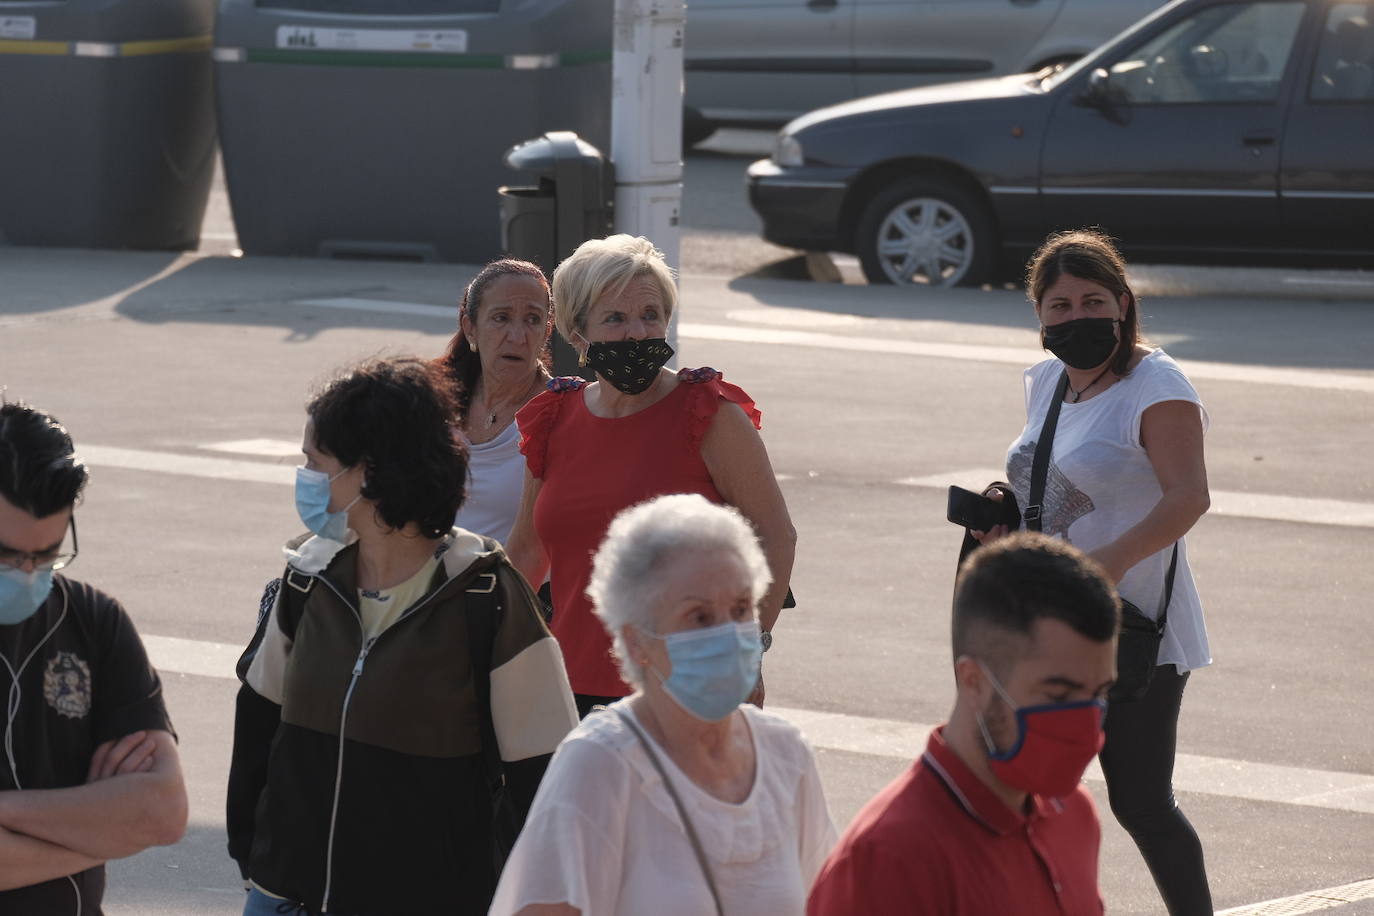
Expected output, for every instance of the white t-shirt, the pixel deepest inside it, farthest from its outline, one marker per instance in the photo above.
(604, 836)
(496, 475)
(1101, 483)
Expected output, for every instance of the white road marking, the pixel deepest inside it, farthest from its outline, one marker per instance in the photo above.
(1310, 902)
(189, 465)
(1020, 356)
(1327, 281)
(271, 448)
(1228, 503)
(900, 740)
(447, 312)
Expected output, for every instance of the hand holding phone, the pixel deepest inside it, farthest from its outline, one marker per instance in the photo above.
(973, 510)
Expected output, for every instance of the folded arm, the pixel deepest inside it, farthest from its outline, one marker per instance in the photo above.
(109, 818)
(25, 860)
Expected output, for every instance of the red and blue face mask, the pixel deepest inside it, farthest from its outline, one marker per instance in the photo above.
(1054, 744)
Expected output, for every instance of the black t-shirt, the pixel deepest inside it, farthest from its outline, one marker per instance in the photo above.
(88, 682)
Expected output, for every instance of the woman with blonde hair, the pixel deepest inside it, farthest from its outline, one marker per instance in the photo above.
(637, 432)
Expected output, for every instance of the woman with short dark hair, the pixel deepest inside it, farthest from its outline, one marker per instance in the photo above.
(1125, 481)
(400, 670)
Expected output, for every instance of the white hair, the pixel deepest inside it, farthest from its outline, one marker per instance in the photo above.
(625, 584)
(601, 266)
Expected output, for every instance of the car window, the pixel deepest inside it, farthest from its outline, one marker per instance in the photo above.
(1345, 56)
(1231, 53)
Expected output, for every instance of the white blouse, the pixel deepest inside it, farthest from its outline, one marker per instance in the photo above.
(1101, 483)
(496, 477)
(604, 836)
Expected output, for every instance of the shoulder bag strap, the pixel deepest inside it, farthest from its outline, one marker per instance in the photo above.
(681, 811)
(481, 612)
(1040, 466)
(1168, 589)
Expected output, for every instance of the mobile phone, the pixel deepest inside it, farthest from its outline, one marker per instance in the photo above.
(973, 510)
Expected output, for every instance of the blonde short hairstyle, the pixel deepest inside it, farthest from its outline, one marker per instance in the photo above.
(627, 570)
(602, 266)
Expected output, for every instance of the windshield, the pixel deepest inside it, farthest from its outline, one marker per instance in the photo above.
(1092, 59)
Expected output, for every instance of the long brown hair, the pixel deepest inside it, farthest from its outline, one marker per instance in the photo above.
(460, 361)
(1087, 254)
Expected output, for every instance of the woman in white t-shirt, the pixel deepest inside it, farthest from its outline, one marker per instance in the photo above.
(497, 357)
(677, 793)
(1126, 481)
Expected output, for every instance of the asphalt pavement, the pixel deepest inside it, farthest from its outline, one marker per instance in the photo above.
(183, 378)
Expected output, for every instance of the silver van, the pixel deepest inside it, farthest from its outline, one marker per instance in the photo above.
(761, 63)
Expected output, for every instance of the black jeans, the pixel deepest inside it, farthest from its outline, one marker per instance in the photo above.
(1138, 762)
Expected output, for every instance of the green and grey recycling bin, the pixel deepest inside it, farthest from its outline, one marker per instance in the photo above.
(573, 201)
(107, 130)
(375, 128)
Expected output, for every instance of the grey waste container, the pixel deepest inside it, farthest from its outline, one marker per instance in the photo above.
(107, 131)
(574, 201)
(376, 127)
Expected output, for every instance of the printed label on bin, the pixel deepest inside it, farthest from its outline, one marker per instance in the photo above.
(22, 27)
(312, 38)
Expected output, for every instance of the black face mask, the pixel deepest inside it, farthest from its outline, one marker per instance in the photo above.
(629, 365)
(1084, 343)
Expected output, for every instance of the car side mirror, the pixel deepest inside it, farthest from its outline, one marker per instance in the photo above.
(1095, 93)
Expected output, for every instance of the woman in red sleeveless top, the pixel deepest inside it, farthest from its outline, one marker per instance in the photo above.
(637, 432)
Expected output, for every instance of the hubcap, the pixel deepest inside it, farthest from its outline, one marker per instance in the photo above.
(925, 241)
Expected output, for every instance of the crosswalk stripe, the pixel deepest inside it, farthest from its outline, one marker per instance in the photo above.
(1020, 356)
(896, 739)
(1227, 503)
(1233, 504)
(1310, 902)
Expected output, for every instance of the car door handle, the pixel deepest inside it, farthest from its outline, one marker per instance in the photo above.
(821, 6)
(1259, 138)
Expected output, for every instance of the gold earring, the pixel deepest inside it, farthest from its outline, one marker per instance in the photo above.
(582, 360)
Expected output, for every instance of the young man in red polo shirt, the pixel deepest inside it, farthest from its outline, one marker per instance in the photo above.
(992, 818)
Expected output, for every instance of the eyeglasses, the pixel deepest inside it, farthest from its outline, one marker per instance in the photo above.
(43, 560)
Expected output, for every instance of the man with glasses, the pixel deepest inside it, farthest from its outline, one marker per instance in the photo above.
(90, 770)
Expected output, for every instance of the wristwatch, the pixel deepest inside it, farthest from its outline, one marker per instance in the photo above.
(767, 639)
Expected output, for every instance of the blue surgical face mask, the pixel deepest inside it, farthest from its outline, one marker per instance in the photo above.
(22, 594)
(312, 503)
(714, 669)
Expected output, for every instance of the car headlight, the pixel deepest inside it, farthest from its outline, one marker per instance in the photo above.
(787, 150)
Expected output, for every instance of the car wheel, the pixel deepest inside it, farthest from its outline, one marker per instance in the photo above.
(925, 232)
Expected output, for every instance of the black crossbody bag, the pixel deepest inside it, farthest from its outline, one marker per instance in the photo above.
(1137, 646)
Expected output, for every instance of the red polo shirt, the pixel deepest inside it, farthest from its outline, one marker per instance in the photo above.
(937, 841)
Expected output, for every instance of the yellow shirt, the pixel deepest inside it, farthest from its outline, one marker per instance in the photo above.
(381, 608)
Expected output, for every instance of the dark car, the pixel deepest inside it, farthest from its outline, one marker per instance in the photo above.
(1213, 129)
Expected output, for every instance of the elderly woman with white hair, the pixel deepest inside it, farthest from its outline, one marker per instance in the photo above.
(679, 799)
(637, 432)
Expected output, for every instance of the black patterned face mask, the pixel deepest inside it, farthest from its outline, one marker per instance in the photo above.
(629, 365)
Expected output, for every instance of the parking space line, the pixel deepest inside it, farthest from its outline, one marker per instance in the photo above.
(1020, 356)
(1310, 902)
(899, 740)
(1226, 503)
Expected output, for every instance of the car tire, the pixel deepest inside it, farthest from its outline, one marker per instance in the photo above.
(696, 131)
(924, 231)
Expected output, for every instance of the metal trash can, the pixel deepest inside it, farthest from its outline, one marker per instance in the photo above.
(375, 128)
(574, 201)
(107, 130)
